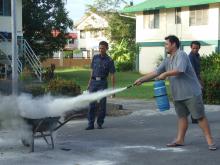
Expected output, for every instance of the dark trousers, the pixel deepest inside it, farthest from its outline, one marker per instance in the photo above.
(101, 106)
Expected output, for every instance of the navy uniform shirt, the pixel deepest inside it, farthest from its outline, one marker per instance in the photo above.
(195, 61)
(102, 66)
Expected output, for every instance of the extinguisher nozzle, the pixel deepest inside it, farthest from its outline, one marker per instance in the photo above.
(132, 85)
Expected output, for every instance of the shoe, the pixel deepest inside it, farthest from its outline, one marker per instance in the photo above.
(212, 147)
(99, 127)
(174, 144)
(89, 128)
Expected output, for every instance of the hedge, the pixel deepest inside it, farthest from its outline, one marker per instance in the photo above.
(210, 74)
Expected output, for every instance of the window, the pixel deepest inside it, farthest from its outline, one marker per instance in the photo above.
(178, 15)
(5, 7)
(198, 15)
(82, 34)
(152, 19)
(94, 34)
(1, 7)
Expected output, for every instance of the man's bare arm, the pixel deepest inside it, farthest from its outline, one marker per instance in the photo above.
(146, 78)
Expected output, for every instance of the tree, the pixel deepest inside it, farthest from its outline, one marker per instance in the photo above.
(107, 5)
(40, 19)
(121, 32)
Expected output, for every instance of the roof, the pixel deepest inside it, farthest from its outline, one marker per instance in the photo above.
(91, 21)
(165, 4)
(71, 35)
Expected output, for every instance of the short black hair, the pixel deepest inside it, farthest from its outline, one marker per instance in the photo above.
(173, 39)
(104, 43)
(195, 43)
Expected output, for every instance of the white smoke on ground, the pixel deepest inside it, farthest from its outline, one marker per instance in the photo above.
(11, 123)
(27, 106)
(14, 108)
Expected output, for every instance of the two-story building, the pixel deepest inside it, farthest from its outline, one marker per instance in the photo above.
(5, 17)
(24, 49)
(72, 41)
(5, 33)
(188, 19)
(91, 30)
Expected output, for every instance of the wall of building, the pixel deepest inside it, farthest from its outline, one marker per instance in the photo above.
(93, 27)
(151, 40)
(148, 58)
(5, 21)
(183, 30)
(204, 50)
(89, 42)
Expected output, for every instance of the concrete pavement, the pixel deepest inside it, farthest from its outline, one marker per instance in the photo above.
(136, 139)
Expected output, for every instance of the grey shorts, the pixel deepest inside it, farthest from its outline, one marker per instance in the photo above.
(193, 106)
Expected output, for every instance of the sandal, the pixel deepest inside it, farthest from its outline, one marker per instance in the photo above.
(174, 144)
(212, 147)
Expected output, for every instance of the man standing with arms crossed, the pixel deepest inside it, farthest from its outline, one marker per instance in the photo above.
(101, 66)
(185, 89)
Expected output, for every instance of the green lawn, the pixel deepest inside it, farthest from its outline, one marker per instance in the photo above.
(123, 79)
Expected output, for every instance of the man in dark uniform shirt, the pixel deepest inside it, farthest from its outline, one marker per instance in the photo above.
(101, 66)
(195, 58)
(195, 61)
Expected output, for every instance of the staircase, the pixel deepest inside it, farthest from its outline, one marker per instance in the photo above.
(6, 60)
(31, 58)
(24, 50)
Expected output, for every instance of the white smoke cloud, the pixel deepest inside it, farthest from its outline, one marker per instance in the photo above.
(26, 106)
(13, 109)
(48, 106)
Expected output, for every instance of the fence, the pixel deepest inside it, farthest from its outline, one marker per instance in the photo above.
(66, 62)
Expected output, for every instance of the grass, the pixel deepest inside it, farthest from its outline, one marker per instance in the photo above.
(123, 79)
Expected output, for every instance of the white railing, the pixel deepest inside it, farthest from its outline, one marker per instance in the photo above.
(20, 66)
(32, 58)
(25, 50)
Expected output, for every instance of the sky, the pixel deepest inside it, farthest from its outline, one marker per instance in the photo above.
(76, 8)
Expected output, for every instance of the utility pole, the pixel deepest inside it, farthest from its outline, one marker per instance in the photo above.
(14, 48)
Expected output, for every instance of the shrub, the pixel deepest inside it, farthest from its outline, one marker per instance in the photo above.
(63, 87)
(35, 89)
(159, 60)
(26, 75)
(49, 73)
(124, 66)
(123, 53)
(68, 54)
(210, 71)
(77, 51)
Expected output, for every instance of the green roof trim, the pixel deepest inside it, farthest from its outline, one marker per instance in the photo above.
(165, 4)
(183, 43)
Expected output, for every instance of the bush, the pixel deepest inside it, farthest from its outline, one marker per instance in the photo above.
(159, 60)
(55, 87)
(68, 54)
(26, 74)
(35, 89)
(124, 66)
(49, 73)
(77, 51)
(123, 53)
(210, 71)
(63, 87)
